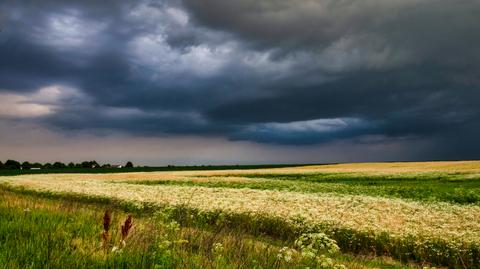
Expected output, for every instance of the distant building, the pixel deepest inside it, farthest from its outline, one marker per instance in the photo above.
(35, 168)
(116, 166)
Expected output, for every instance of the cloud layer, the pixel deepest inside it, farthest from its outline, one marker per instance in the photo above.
(278, 73)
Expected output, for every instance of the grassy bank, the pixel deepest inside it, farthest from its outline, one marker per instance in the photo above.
(395, 210)
(57, 232)
(419, 252)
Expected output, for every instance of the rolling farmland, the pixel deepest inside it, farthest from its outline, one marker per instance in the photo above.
(366, 215)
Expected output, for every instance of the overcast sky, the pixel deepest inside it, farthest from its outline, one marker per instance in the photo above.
(228, 81)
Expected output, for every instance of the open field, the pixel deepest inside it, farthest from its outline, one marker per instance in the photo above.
(427, 213)
(63, 233)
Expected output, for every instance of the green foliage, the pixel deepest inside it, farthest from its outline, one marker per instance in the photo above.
(313, 244)
(315, 249)
(78, 168)
(52, 238)
(26, 165)
(409, 248)
(37, 165)
(59, 165)
(59, 233)
(446, 187)
(304, 244)
(12, 164)
(89, 164)
(443, 187)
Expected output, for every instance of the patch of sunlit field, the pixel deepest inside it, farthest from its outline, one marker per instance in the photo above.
(426, 212)
(472, 167)
(58, 232)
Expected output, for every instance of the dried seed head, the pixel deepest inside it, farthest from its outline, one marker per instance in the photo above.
(126, 227)
(107, 219)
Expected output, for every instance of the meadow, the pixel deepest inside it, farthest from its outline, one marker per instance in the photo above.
(371, 215)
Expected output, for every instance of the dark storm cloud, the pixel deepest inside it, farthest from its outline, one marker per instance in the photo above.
(281, 72)
(285, 24)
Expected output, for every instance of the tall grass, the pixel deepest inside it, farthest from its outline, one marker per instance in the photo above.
(278, 232)
(419, 250)
(59, 232)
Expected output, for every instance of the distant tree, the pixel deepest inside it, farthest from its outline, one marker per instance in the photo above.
(26, 165)
(71, 165)
(37, 165)
(90, 164)
(12, 164)
(95, 164)
(129, 165)
(86, 164)
(107, 165)
(58, 165)
(78, 165)
(1, 165)
(47, 166)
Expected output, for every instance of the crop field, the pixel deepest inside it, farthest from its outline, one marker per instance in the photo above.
(366, 215)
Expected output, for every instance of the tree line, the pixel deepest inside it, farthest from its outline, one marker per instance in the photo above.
(16, 165)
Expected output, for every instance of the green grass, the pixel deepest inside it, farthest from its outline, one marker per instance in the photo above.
(433, 187)
(35, 237)
(407, 249)
(58, 232)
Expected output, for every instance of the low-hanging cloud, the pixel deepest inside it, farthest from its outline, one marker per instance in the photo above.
(272, 72)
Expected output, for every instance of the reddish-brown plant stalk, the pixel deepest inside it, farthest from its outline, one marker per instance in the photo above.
(127, 225)
(107, 220)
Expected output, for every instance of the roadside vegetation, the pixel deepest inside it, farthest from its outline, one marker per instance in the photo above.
(52, 232)
(13, 167)
(418, 214)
